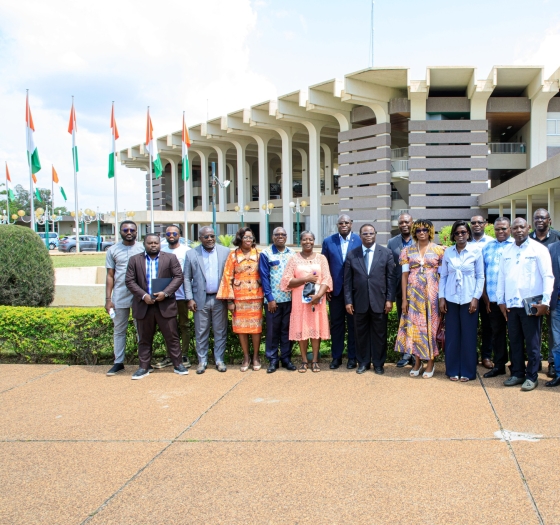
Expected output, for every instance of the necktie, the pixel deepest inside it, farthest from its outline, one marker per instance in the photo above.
(368, 251)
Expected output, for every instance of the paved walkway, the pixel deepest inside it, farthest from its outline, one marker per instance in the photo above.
(79, 447)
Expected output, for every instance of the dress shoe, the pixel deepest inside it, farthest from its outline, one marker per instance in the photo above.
(495, 372)
(486, 363)
(405, 361)
(554, 382)
(335, 363)
(512, 381)
(272, 367)
(362, 369)
(551, 370)
(352, 363)
(180, 369)
(288, 365)
(529, 385)
(115, 369)
(379, 370)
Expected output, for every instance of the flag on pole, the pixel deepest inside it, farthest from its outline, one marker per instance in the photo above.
(9, 192)
(114, 137)
(185, 142)
(32, 153)
(57, 181)
(38, 195)
(73, 129)
(151, 146)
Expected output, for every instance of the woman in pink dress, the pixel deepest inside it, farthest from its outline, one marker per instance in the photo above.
(308, 320)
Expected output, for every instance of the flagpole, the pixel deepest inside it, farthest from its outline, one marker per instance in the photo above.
(76, 218)
(185, 188)
(7, 195)
(32, 204)
(115, 175)
(151, 184)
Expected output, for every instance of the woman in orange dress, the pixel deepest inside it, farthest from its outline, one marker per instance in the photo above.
(308, 320)
(241, 286)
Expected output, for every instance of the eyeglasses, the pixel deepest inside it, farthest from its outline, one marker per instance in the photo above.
(500, 229)
(478, 222)
(461, 234)
(540, 218)
(344, 222)
(422, 230)
(278, 235)
(248, 238)
(210, 236)
(128, 230)
(172, 234)
(367, 234)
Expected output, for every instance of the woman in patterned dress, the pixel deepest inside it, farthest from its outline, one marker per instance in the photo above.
(241, 286)
(308, 320)
(420, 308)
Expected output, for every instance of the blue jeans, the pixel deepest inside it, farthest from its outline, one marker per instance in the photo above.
(555, 328)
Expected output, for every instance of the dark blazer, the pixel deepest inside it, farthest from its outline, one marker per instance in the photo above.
(364, 290)
(333, 252)
(395, 245)
(135, 281)
(554, 250)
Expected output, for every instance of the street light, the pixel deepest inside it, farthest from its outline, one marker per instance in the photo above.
(87, 217)
(297, 208)
(44, 217)
(241, 213)
(4, 219)
(222, 185)
(267, 208)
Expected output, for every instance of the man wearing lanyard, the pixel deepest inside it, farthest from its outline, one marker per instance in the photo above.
(525, 272)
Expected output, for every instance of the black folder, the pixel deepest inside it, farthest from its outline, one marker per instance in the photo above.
(158, 285)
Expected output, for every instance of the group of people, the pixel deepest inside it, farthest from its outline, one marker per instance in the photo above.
(517, 275)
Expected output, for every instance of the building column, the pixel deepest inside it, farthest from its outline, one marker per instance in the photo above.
(529, 216)
(314, 130)
(328, 168)
(264, 188)
(221, 152)
(241, 174)
(512, 210)
(418, 96)
(501, 209)
(287, 183)
(174, 185)
(537, 129)
(204, 180)
(304, 172)
(231, 171)
(551, 205)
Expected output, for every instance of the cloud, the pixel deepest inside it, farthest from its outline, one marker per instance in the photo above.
(541, 52)
(172, 56)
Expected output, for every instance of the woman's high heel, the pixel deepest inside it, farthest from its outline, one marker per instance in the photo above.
(416, 373)
(427, 375)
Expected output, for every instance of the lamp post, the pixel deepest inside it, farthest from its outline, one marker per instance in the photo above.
(267, 207)
(42, 216)
(216, 181)
(121, 216)
(297, 208)
(5, 219)
(241, 212)
(87, 217)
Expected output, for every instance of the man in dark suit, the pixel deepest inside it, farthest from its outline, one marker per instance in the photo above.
(396, 245)
(335, 248)
(369, 289)
(554, 327)
(151, 309)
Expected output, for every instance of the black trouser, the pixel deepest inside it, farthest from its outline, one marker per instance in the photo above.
(340, 320)
(498, 324)
(486, 332)
(460, 341)
(278, 332)
(523, 328)
(371, 337)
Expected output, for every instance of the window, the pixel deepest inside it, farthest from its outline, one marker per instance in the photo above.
(552, 127)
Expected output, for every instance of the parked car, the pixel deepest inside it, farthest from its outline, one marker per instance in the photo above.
(53, 239)
(87, 243)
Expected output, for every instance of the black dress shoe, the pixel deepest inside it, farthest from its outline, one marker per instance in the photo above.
(554, 382)
(495, 372)
(288, 365)
(379, 370)
(335, 363)
(551, 371)
(272, 367)
(362, 369)
(352, 363)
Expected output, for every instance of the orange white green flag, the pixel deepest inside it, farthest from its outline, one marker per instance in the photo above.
(114, 137)
(9, 192)
(56, 180)
(185, 143)
(73, 129)
(151, 146)
(32, 153)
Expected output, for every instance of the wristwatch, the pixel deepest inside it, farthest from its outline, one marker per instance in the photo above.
(166, 295)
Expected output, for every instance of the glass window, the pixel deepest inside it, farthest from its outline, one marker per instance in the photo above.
(553, 127)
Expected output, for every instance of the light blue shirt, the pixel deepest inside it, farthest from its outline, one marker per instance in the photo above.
(344, 245)
(461, 275)
(370, 258)
(211, 270)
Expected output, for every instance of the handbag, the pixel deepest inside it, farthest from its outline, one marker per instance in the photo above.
(440, 334)
(309, 289)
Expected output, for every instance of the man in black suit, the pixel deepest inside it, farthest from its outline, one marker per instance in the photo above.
(151, 309)
(554, 326)
(369, 289)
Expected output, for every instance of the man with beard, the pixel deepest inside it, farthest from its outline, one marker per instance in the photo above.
(117, 297)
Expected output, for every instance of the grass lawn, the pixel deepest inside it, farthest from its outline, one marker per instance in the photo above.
(68, 261)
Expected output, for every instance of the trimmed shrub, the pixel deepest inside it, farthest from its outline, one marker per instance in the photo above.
(27, 276)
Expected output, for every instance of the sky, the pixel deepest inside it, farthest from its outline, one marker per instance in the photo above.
(217, 56)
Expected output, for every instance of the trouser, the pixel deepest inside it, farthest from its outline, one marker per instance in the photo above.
(146, 331)
(398, 300)
(550, 340)
(184, 326)
(120, 327)
(486, 332)
(460, 341)
(523, 328)
(554, 328)
(498, 325)
(278, 332)
(371, 337)
(214, 313)
(341, 323)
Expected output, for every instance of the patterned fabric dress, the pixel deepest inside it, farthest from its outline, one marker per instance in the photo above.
(304, 322)
(241, 283)
(418, 328)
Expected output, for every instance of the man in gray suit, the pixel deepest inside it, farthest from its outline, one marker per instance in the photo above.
(204, 267)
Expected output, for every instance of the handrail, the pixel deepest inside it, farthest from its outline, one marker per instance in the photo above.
(507, 147)
(399, 153)
(399, 165)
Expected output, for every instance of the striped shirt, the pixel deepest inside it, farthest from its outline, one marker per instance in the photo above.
(152, 267)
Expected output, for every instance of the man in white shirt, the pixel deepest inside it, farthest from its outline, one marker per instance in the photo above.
(173, 235)
(525, 272)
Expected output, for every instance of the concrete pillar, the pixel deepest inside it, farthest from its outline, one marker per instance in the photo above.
(241, 174)
(327, 168)
(262, 143)
(304, 173)
(204, 179)
(314, 130)
(551, 206)
(501, 209)
(174, 184)
(418, 96)
(247, 185)
(231, 188)
(540, 96)
(287, 183)
(221, 174)
(512, 210)
(529, 216)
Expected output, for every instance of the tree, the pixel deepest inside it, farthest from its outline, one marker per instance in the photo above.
(22, 199)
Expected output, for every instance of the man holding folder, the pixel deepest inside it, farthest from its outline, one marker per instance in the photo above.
(153, 277)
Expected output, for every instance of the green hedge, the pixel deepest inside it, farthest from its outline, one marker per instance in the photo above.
(85, 336)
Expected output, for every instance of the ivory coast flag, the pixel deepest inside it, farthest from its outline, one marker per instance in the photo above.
(114, 137)
(151, 146)
(9, 192)
(32, 153)
(185, 143)
(73, 129)
(57, 181)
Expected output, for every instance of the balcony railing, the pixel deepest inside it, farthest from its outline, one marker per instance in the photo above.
(399, 165)
(399, 153)
(395, 195)
(395, 214)
(507, 147)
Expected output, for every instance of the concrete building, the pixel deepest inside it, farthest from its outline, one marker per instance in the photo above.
(372, 144)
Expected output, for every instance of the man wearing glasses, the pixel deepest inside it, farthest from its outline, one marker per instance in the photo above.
(335, 249)
(173, 235)
(203, 270)
(117, 297)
